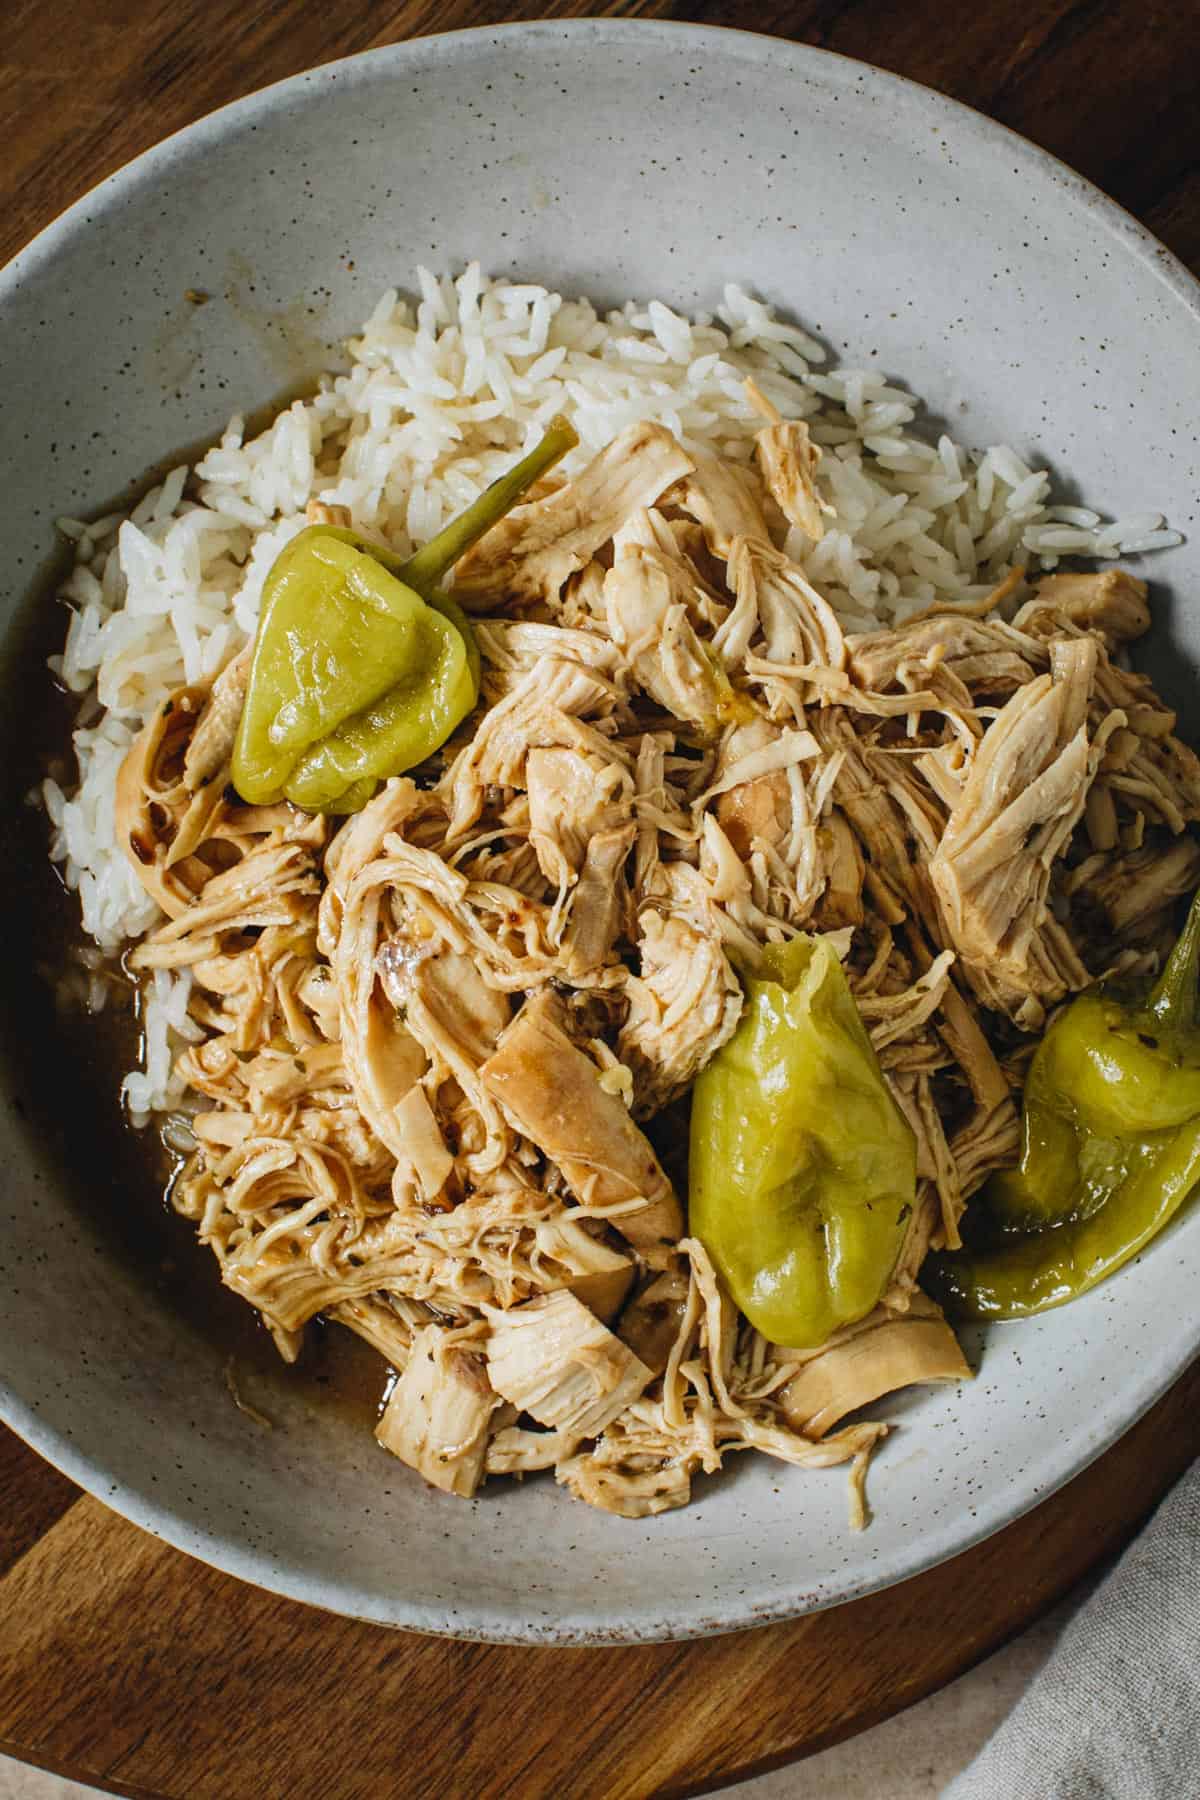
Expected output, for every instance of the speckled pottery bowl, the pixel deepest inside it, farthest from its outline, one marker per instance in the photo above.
(619, 160)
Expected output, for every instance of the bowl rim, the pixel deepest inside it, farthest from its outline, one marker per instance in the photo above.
(1152, 1377)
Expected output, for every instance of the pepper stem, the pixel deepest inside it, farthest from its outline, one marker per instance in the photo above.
(423, 571)
(1173, 998)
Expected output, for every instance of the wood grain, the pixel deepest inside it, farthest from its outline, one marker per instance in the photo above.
(33, 1498)
(126, 1664)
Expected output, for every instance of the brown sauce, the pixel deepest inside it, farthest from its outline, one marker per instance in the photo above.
(61, 1067)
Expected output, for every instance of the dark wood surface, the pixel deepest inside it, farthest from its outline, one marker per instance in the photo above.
(128, 1665)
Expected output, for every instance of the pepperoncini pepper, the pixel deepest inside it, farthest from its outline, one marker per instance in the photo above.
(360, 667)
(401, 728)
(1110, 1149)
(802, 1167)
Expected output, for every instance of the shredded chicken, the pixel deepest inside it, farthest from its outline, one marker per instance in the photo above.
(437, 1415)
(530, 554)
(1112, 602)
(649, 624)
(573, 796)
(726, 502)
(553, 1359)
(211, 744)
(425, 1046)
(685, 1001)
(163, 819)
(552, 1092)
(1018, 806)
(883, 1352)
(789, 460)
(781, 629)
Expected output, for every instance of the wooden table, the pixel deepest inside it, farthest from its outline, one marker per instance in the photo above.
(126, 1664)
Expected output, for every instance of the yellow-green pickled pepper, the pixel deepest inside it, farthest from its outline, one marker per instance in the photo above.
(398, 730)
(361, 668)
(335, 631)
(1110, 1149)
(802, 1169)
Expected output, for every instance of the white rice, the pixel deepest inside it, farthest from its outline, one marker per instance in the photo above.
(438, 399)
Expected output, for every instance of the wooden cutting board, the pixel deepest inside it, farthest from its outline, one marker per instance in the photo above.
(125, 1663)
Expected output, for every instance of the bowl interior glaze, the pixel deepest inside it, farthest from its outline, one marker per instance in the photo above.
(618, 160)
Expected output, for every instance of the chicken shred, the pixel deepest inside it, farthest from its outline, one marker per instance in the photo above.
(552, 1092)
(553, 1359)
(885, 1351)
(530, 554)
(425, 1047)
(437, 1415)
(685, 1001)
(789, 461)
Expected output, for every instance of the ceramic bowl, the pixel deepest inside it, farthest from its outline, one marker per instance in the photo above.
(618, 160)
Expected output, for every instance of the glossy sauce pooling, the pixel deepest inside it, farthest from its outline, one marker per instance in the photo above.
(63, 1067)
